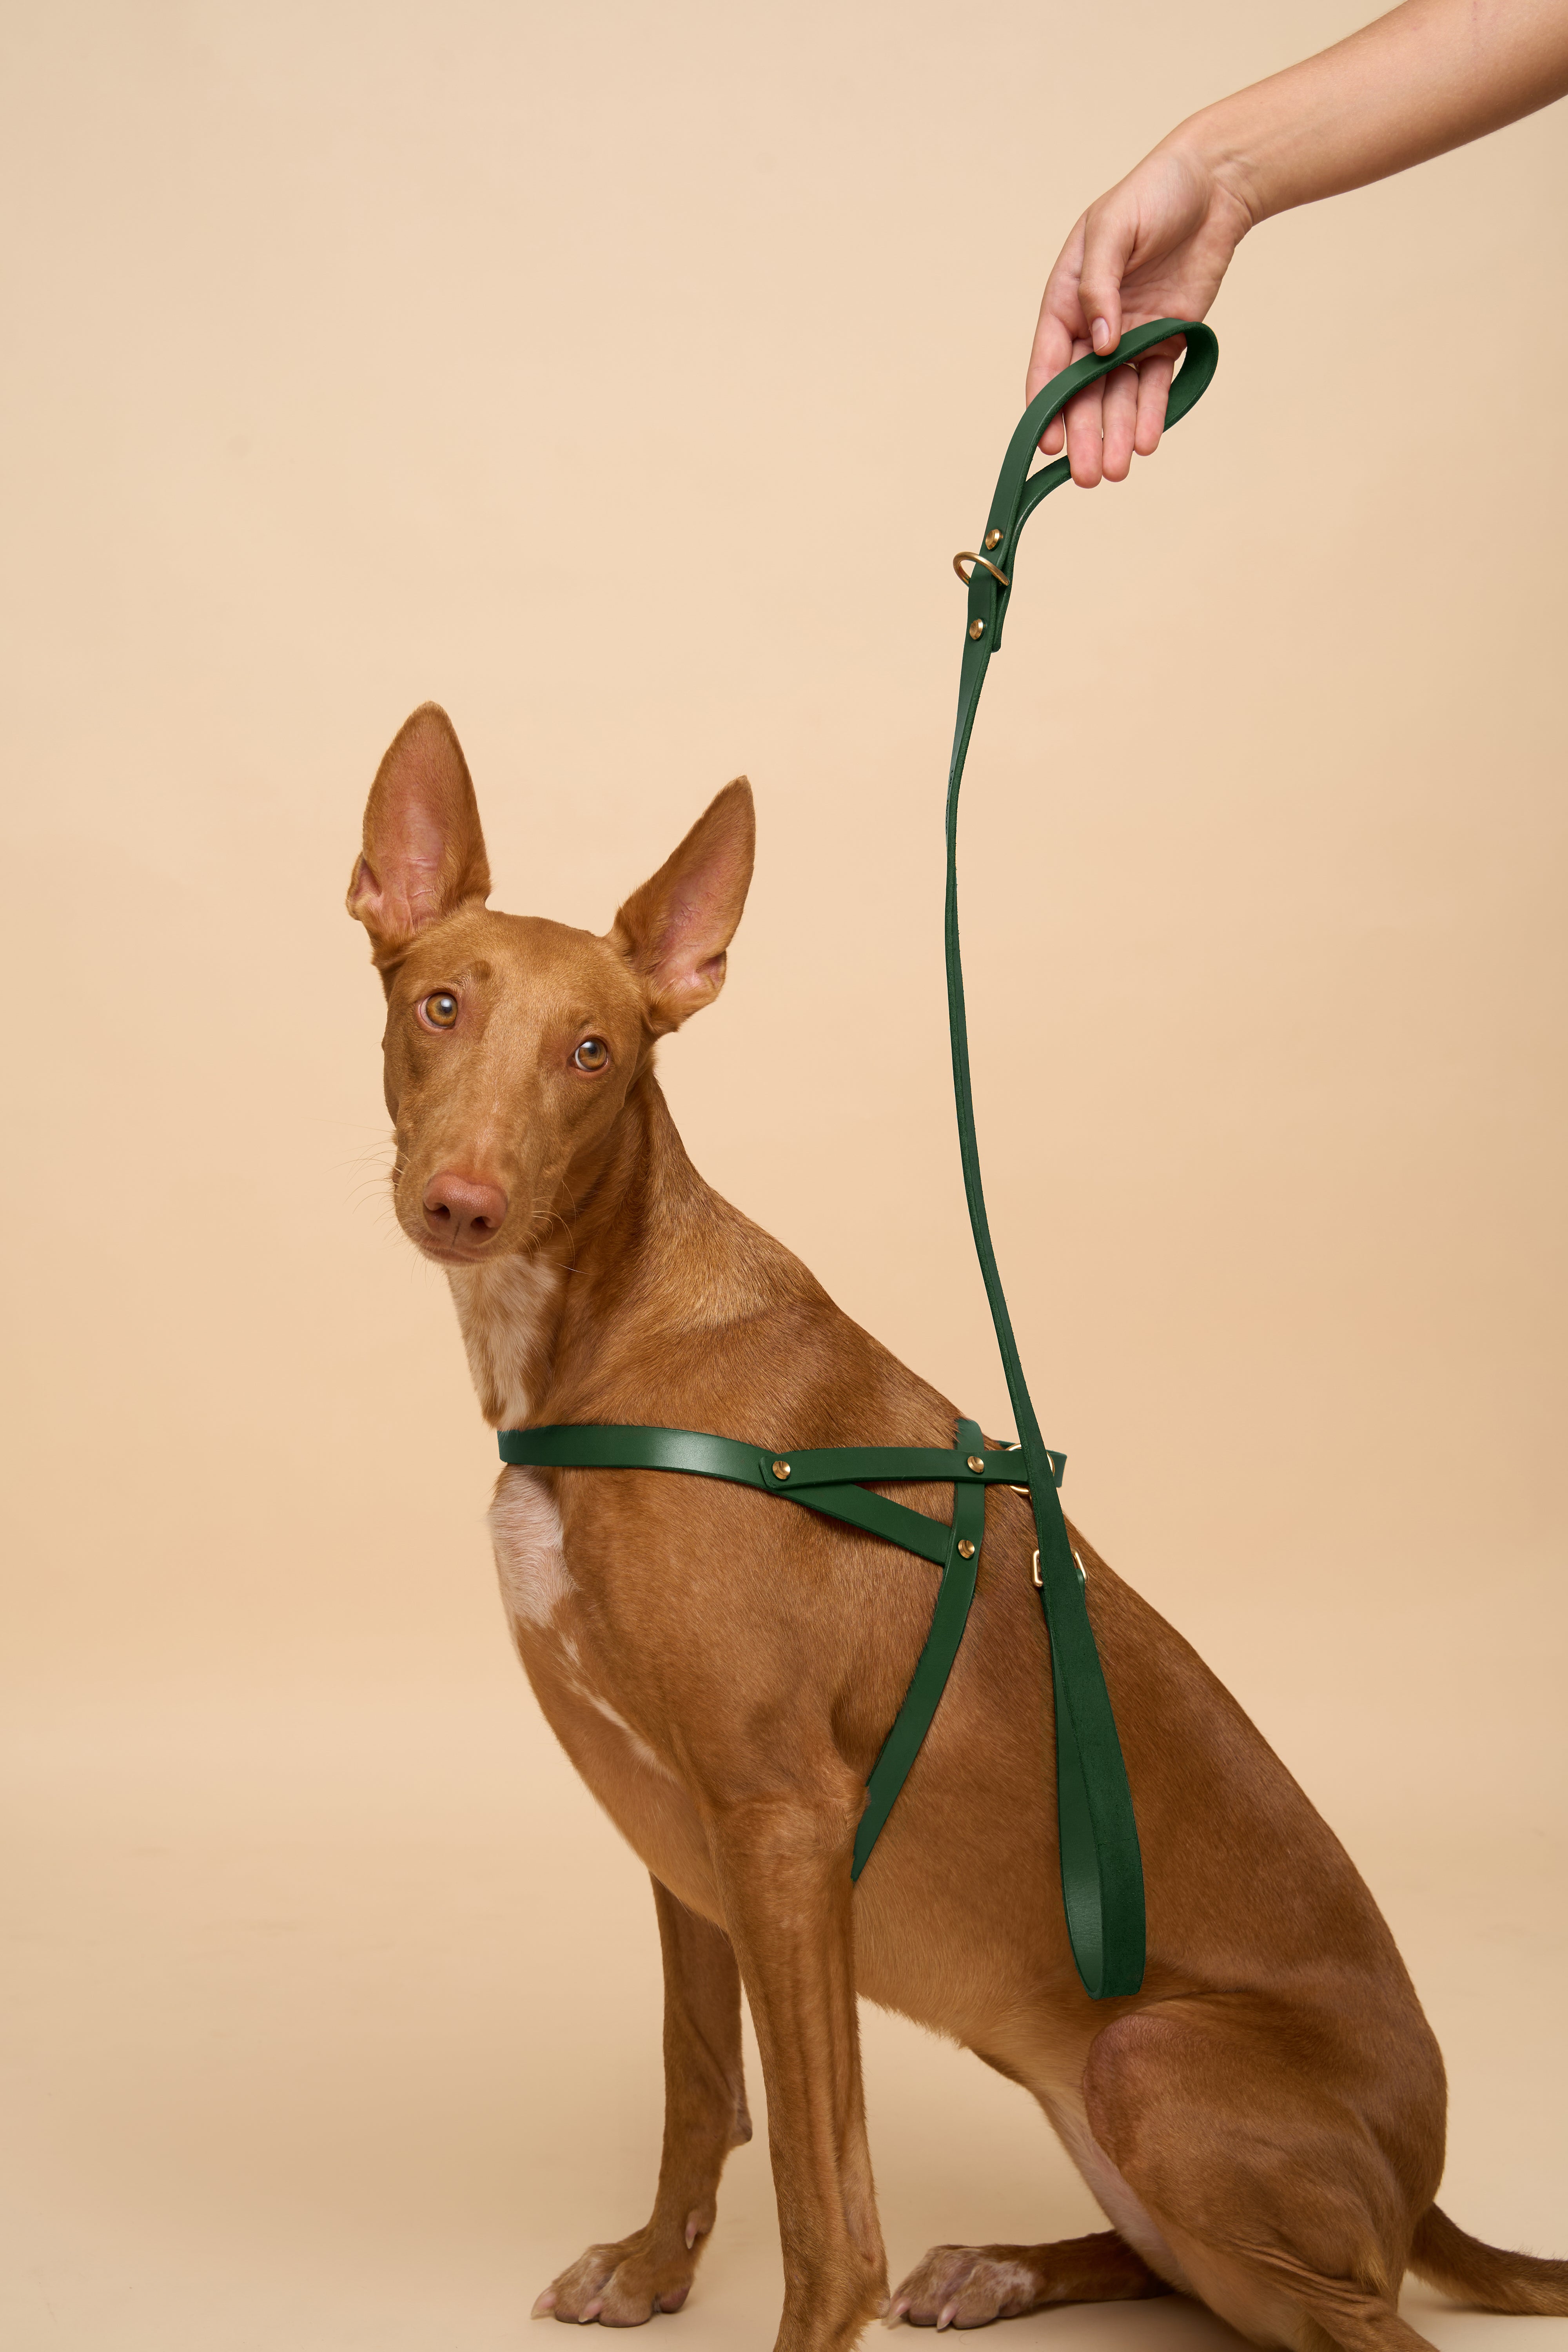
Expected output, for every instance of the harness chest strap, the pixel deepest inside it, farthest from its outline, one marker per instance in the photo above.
(825, 1479)
(1102, 1867)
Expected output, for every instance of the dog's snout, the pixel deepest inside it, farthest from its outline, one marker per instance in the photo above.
(462, 1213)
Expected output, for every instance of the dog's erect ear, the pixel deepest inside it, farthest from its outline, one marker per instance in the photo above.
(674, 931)
(424, 853)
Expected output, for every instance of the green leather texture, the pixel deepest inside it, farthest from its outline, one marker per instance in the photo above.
(822, 1479)
(1102, 1866)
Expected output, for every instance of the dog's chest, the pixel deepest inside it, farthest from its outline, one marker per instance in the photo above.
(531, 1558)
(509, 1314)
(542, 1600)
(560, 1638)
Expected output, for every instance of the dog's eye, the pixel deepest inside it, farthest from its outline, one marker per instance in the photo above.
(440, 1011)
(593, 1053)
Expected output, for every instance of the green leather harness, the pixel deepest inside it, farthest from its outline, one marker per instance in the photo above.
(1101, 1870)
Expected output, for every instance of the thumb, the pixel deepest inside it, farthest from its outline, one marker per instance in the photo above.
(1110, 233)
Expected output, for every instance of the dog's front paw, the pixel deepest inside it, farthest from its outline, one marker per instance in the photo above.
(966, 2286)
(622, 2285)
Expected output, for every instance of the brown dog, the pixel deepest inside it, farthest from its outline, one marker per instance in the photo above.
(1263, 2124)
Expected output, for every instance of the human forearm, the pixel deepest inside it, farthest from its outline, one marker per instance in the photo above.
(1429, 76)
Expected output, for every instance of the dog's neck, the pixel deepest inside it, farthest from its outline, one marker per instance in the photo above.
(642, 1255)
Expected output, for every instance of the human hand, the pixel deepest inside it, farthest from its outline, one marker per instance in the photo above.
(1155, 247)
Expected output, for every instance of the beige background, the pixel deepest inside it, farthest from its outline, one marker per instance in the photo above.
(624, 375)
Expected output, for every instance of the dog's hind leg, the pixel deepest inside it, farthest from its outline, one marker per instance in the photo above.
(969, 2286)
(1283, 2154)
(705, 2116)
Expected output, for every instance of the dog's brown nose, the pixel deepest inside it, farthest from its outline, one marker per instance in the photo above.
(463, 1214)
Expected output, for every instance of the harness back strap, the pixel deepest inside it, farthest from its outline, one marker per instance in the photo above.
(1103, 1871)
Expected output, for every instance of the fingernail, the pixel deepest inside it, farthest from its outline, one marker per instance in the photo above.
(1099, 335)
(590, 2311)
(543, 2305)
(948, 2312)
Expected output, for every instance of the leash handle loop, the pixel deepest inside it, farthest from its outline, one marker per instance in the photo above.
(1102, 1866)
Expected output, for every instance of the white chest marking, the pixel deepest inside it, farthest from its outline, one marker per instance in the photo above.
(536, 1585)
(525, 1528)
(639, 1747)
(507, 1315)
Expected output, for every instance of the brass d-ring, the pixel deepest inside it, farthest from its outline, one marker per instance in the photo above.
(967, 555)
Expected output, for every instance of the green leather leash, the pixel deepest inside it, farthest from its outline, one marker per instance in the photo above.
(1101, 1869)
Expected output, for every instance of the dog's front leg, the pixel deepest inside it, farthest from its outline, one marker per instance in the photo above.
(705, 2116)
(784, 1872)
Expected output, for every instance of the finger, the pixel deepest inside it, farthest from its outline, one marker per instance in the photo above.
(1058, 321)
(1117, 423)
(1059, 324)
(1110, 233)
(1155, 373)
(1056, 436)
(1051, 438)
(1051, 354)
(1084, 435)
(1081, 419)
(1052, 349)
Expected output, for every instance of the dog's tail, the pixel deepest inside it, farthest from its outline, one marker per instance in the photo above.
(1485, 2276)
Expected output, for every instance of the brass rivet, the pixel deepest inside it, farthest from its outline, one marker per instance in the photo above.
(993, 538)
(781, 1469)
(977, 1462)
(965, 1548)
(977, 628)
